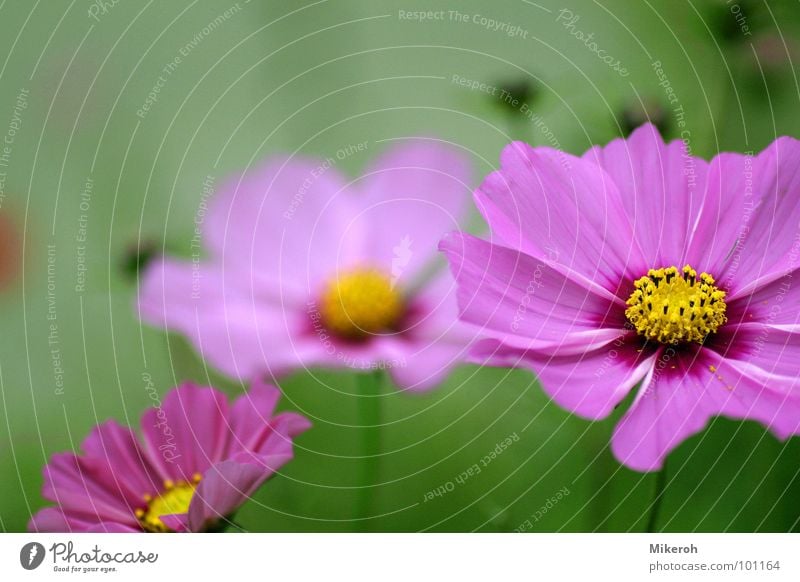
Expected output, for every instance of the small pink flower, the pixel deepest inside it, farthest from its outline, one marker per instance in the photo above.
(640, 264)
(306, 269)
(200, 460)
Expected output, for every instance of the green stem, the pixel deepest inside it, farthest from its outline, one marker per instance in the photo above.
(658, 497)
(369, 422)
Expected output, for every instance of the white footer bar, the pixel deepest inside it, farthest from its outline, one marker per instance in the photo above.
(402, 557)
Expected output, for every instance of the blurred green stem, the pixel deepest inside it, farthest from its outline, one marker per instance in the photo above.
(658, 497)
(369, 422)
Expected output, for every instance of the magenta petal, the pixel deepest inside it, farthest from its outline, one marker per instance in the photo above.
(434, 340)
(590, 384)
(435, 309)
(177, 522)
(679, 402)
(255, 429)
(278, 235)
(410, 197)
(658, 424)
(250, 414)
(233, 326)
(111, 527)
(549, 204)
(247, 338)
(526, 303)
(720, 223)
(775, 351)
(276, 441)
(769, 246)
(123, 459)
(283, 225)
(83, 487)
(54, 520)
(427, 365)
(175, 294)
(365, 355)
(188, 433)
(227, 485)
(49, 519)
(661, 187)
(286, 425)
(773, 303)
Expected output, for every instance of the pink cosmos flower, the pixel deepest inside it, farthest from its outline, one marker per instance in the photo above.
(306, 269)
(638, 264)
(200, 460)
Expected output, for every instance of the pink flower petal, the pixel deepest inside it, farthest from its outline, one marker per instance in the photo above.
(552, 205)
(410, 197)
(433, 340)
(83, 487)
(774, 350)
(284, 225)
(280, 233)
(54, 520)
(235, 329)
(254, 427)
(188, 433)
(112, 527)
(661, 187)
(773, 303)
(250, 414)
(117, 449)
(177, 522)
(771, 243)
(238, 331)
(427, 365)
(678, 403)
(590, 385)
(720, 223)
(175, 294)
(227, 485)
(525, 302)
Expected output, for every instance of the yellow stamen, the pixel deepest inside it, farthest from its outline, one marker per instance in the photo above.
(359, 303)
(175, 498)
(671, 306)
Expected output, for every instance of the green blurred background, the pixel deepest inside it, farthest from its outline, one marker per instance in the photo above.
(313, 77)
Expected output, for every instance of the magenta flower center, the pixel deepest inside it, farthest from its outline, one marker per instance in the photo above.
(672, 306)
(174, 499)
(359, 303)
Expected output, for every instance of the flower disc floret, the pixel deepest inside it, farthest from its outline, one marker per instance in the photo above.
(671, 306)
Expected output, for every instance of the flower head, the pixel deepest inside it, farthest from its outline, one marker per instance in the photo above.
(200, 460)
(307, 269)
(641, 264)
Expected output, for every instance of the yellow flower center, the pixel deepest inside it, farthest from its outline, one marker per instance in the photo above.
(175, 498)
(359, 303)
(672, 306)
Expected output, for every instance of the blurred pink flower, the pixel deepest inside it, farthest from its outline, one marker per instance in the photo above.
(306, 269)
(199, 462)
(640, 264)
